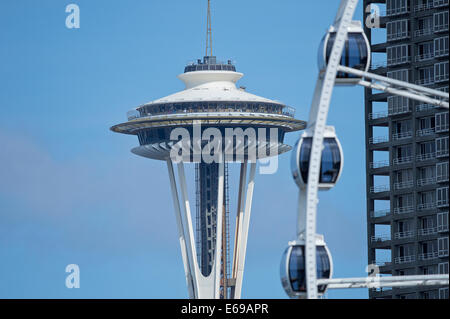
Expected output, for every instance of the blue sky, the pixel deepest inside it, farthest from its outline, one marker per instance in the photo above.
(72, 192)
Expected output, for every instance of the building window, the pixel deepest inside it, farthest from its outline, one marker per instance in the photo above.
(425, 51)
(401, 75)
(397, 30)
(426, 76)
(424, 27)
(442, 146)
(442, 196)
(398, 105)
(441, 21)
(441, 46)
(443, 246)
(442, 223)
(442, 172)
(394, 7)
(441, 72)
(443, 268)
(440, 3)
(443, 293)
(441, 120)
(398, 54)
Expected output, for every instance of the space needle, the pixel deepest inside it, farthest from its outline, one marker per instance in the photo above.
(250, 128)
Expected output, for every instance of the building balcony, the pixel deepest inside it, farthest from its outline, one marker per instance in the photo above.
(398, 36)
(440, 3)
(402, 135)
(426, 81)
(403, 185)
(405, 259)
(424, 57)
(442, 178)
(426, 157)
(399, 110)
(441, 27)
(426, 181)
(442, 153)
(382, 263)
(440, 78)
(379, 164)
(423, 7)
(404, 234)
(442, 202)
(403, 160)
(380, 213)
(380, 238)
(442, 228)
(403, 210)
(379, 189)
(378, 115)
(425, 131)
(397, 61)
(378, 139)
(428, 256)
(427, 231)
(425, 107)
(440, 53)
(442, 128)
(397, 11)
(425, 206)
(423, 32)
(443, 253)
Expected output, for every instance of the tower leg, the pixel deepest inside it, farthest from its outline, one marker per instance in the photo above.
(181, 235)
(243, 235)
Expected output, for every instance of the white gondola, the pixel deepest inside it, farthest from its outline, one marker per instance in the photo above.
(292, 268)
(356, 53)
(332, 159)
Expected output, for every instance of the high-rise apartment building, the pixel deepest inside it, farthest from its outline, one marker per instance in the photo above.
(407, 155)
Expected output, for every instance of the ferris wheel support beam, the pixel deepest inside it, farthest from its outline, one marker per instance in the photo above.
(379, 282)
(399, 88)
(317, 123)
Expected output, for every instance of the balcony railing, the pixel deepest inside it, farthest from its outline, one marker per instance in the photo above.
(398, 36)
(403, 160)
(399, 110)
(442, 128)
(379, 164)
(442, 178)
(401, 60)
(378, 139)
(428, 231)
(425, 107)
(380, 213)
(404, 234)
(424, 57)
(423, 7)
(425, 131)
(441, 153)
(397, 11)
(426, 81)
(380, 238)
(425, 206)
(442, 202)
(439, 53)
(405, 259)
(428, 256)
(378, 115)
(441, 78)
(425, 157)
(403, 185)
(423, 32)
(402, 135)
(442, 228)
(379, 189)
(441, 27)
(378, 64)
(443, 252)
(404, 210)
(382, 263)
(426, 181)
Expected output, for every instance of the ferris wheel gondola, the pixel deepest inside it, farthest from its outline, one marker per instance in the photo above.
(293, 271)
(356, 52)
(332, 159)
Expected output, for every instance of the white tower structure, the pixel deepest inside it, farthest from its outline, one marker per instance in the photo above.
(215, 119)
